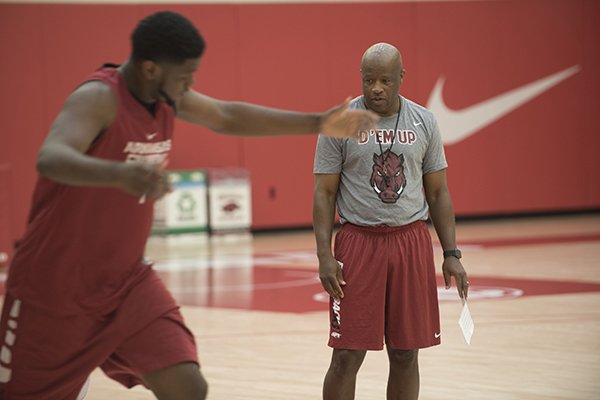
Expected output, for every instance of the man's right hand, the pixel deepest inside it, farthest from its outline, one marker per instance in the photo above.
(330, 274)
(145, 180)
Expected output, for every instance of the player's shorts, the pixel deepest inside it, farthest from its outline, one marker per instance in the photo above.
(390, 292)
(48, 357)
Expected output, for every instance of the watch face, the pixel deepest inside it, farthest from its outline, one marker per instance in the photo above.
(453, 253)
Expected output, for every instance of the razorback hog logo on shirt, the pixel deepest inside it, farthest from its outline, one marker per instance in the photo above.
(388, 178)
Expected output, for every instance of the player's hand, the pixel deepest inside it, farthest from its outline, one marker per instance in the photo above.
(340, 121)
(330, 274)
(144, 180)
(452, 267)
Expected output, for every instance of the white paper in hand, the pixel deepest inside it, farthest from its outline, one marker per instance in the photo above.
(467, 326)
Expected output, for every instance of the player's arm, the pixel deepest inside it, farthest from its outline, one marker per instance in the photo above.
(245, 119)
(325, 193)
(442, 216)
(86, 114)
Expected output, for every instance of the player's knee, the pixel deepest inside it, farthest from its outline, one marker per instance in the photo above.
(347, 361)
(403, 358)
(194, 389)
(202, 388)
(178, 382)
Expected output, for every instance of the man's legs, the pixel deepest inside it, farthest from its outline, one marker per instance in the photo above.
(177, 382)
(44, 356)
(163, 357)
(403, 380)
(340, 380)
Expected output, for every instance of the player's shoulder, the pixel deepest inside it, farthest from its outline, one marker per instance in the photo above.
(94, 87)
(95, 91)
(93, 98)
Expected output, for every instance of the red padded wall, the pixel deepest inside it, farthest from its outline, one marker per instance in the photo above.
(539, 157)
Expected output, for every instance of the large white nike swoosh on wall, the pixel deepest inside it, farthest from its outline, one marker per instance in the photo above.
(457, 125)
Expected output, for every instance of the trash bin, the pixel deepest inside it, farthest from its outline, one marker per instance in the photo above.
(185, 209)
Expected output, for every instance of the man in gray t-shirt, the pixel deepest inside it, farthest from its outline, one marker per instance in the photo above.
(381, 174)
(385, 184)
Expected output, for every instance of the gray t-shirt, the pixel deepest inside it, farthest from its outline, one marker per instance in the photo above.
(381, 175)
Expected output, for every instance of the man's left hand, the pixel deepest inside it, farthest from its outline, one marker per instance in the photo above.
(452, 267)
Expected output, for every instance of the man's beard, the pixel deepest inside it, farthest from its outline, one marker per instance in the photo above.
(167, 98)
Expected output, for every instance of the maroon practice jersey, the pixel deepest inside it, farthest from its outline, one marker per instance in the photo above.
(83, 247)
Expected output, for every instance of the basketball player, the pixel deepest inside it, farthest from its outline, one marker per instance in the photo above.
(381, 278)
(79, 292)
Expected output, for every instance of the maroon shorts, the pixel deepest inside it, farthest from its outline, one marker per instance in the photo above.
(50, 357)
(390, 291)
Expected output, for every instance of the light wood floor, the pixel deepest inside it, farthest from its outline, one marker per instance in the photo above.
(544, 346)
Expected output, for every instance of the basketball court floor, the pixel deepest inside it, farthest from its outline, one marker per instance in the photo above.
(260, 317)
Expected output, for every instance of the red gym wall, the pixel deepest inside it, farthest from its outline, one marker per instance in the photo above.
(541, 156)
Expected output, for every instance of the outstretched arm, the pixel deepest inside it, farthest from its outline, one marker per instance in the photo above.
(245, 119)
(442, 215)
(325, 193)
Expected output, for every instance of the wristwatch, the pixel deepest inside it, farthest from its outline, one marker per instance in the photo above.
(453, 253)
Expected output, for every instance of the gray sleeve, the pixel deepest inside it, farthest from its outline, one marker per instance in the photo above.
(328, 156)
(435, 159)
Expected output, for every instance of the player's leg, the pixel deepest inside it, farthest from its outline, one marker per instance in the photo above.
(340, 380)
(44, 356)
(357, 320)
(163, 357)
(412, 314)
(177, 382)
(403, 380)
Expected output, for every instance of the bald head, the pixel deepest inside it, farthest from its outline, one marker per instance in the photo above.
(383, 53)
(382, 73)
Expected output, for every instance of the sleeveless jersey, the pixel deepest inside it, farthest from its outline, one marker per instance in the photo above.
(83, 247)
